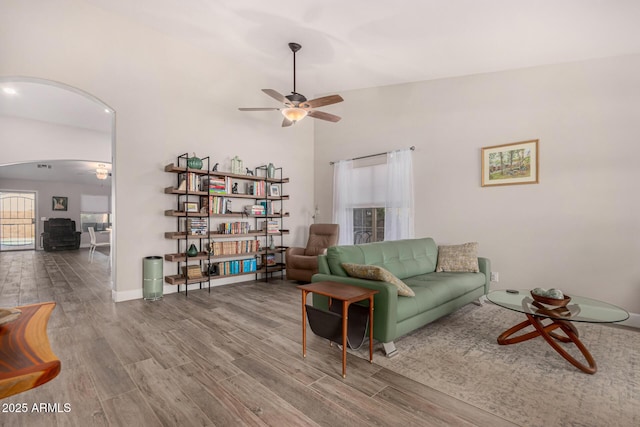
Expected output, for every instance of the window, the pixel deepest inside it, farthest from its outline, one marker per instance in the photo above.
(374, 200)
(368, 225)
(94, 212)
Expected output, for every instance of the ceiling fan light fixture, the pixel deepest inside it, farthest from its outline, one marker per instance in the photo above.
(101, 172)
(294, 114)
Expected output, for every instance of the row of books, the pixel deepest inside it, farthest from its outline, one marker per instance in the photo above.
(258, 188)
(218, 205)
(189, 181)
(271, 226)
(219, 185)
(237, 266)
(254, 210)
(197, 226)
(238, 227)
(234, 247)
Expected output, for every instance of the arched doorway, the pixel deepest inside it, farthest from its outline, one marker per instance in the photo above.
(52, 132)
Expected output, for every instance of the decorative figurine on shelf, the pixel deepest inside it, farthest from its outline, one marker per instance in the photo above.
(249, 171)
(271, 171)
(236, 165)
(192, 251)
(215, 168)
(234, 188)
(194, 162)
(213, 269)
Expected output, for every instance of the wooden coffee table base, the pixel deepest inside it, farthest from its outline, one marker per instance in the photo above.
(551, 337)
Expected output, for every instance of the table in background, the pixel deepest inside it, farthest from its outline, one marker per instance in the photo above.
(580, 309)
(26, 358)
(347, 294)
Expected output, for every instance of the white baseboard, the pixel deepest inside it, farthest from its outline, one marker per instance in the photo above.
(166, 290)
(633, 321)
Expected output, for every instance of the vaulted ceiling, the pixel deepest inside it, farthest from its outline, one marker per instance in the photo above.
(350, 44)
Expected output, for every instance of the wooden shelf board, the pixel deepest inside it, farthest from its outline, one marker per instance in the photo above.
(175, 235)
(173, 168)
(178, 279)
(203, 256)
(173, 212)
(174, 190)
(240, 214)
(181, 257)
(249, 196)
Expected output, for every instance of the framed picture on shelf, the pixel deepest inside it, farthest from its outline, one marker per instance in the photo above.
(190, 207)
(59, 203)
(269, 260)
(508, 164)
(274, 190)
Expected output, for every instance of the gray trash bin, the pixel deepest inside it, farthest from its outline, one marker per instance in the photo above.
(152, 278)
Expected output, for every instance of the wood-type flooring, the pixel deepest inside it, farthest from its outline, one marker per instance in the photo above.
(228, 357)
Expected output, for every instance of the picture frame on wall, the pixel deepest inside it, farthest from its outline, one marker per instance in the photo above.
(510, 164)
(59, 203)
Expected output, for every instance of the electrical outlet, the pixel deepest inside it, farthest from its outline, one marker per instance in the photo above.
(495, 276)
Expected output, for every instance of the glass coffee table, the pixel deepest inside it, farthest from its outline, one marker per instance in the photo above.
(579, 309)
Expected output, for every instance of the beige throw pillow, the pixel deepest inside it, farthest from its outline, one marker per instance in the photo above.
(373, 272)
(458, 258)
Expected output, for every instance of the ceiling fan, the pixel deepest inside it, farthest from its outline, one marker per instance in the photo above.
(101, 171)
(296, 106)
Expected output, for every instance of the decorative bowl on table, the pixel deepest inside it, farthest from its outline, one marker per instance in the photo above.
(551, 301)
(9, 315)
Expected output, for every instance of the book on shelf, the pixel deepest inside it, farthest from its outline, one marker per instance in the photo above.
(197, 226)
(270, 226)
(189, 182)
(258, 188)
(218, 205)
(192, 272)
(227, 268)
(238, 227)
(254, 210)
(234, 247)
(218, 185)
(268, 207)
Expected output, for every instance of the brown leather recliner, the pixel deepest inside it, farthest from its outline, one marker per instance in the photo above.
(302, 263)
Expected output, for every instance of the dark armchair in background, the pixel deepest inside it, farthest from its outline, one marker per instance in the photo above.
(60, 234)
(302, 263)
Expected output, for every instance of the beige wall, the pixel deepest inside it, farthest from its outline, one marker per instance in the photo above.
(169, 98)
(26, 140)
(577, 230)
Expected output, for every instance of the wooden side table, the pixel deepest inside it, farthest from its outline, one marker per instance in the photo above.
(347, 294)
(26, 359)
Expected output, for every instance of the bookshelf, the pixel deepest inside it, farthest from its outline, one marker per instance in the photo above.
(234, 208)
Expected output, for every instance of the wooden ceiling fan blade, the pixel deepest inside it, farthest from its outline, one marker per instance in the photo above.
(259, 109)
(321, 102)
(286, 122)
(277, 96)
(324, 116)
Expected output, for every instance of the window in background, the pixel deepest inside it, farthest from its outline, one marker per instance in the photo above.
(94, 212)
(368, 225)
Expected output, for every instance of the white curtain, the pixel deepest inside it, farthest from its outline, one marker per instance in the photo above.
(399, 210)
(342, 200)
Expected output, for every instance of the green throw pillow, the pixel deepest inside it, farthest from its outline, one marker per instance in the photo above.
(373, 272)
(458, 258)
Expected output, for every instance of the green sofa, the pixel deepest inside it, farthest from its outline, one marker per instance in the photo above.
(414, 262)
